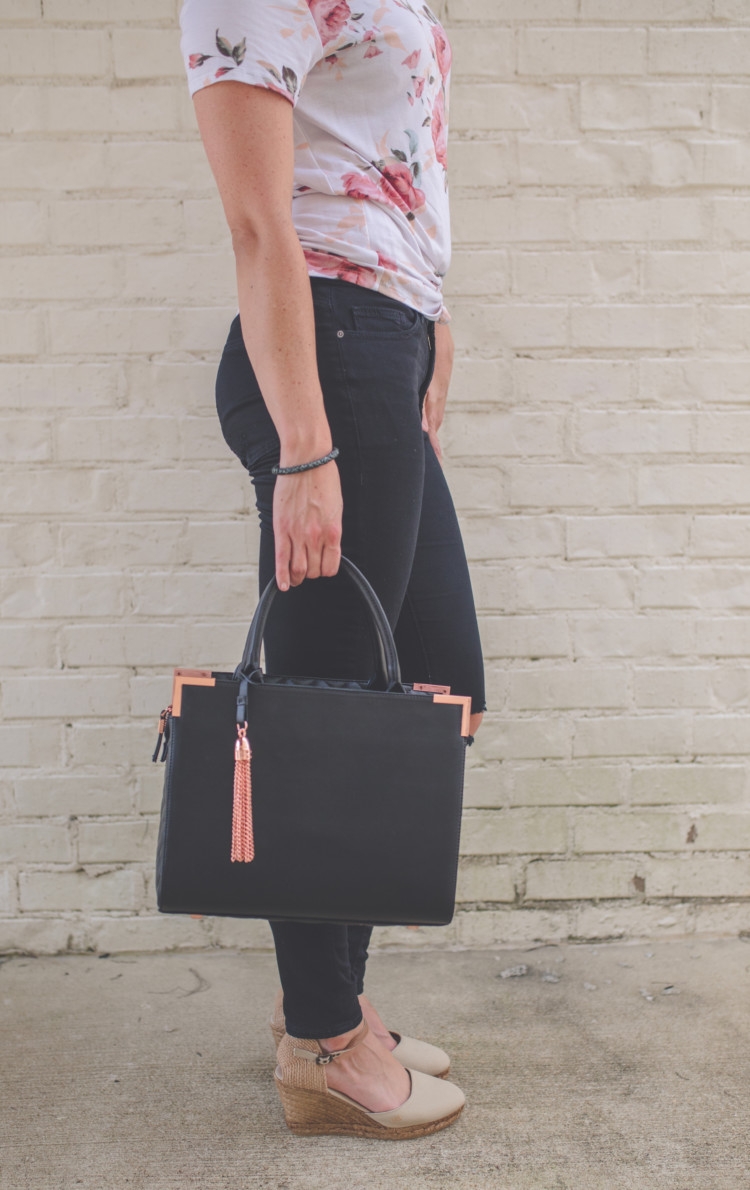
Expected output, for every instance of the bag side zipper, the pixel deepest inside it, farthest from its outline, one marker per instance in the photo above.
(162, 739)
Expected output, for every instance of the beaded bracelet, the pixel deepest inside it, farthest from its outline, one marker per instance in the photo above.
(276, 470)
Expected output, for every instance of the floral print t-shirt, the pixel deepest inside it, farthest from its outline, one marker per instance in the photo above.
(369, 83)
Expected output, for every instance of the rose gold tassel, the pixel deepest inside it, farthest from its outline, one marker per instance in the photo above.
(243, 845)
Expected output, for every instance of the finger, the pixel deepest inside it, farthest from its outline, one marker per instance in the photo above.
(298, 564)
(314, 541)
(313, 562)
(283, 557)
(331, 560)
(331, 548)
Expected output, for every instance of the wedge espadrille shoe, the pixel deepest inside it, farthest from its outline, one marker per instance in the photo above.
(410, 1051)
(312, 1108)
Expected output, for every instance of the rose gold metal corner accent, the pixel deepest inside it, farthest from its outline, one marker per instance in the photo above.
(188, 677)
(429, 686)
(465, 701)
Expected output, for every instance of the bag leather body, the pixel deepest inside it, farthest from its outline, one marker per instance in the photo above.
(356, 796)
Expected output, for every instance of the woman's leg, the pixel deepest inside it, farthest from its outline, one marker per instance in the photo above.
(320, 989)
(358, 940)
(334, 959)
(374, 361)
(437, 635)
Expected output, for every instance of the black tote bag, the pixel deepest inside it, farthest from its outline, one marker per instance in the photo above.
(355, 790)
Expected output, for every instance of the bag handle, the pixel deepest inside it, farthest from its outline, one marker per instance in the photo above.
(388, 663)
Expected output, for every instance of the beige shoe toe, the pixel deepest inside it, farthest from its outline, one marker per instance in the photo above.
(432, 1100)
(420, 1055)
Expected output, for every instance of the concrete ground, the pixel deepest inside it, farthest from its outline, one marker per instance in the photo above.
(585, 1068)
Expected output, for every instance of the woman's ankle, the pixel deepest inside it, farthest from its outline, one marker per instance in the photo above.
(372, 1017)
(340, 1042)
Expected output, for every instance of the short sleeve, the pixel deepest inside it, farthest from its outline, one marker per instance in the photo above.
(269, 43)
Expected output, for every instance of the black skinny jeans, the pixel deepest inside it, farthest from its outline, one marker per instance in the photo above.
(375, 359)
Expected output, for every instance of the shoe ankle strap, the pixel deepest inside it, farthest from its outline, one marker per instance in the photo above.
(322, 1058)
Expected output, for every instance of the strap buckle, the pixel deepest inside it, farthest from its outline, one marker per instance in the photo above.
(322, 1059)
(318, 1059)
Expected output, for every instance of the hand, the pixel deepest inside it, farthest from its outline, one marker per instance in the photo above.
(433, 409)
(307, 511)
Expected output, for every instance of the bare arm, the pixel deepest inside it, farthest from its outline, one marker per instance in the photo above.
(247, 133)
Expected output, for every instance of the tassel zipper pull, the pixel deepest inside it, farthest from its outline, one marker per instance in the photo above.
(243, 844)
(163, 736)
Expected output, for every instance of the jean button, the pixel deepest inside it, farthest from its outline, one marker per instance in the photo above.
(339, 334)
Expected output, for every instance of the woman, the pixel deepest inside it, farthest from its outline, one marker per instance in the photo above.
(327, 140)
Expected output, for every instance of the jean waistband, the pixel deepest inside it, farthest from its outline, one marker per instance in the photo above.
(336, 288)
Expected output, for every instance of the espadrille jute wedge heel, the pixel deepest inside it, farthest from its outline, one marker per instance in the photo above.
(312, 1108)
(410, 1051)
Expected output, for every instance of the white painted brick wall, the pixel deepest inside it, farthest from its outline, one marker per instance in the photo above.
(596, 441)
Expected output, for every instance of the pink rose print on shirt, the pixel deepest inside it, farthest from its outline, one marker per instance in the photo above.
(442, 50)
(340, 267)
(330, 16)
(394, 186)
(399, 180)
(385, 262)
(372, 50)
(360, 186)
(236, 52)
(439, 138)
